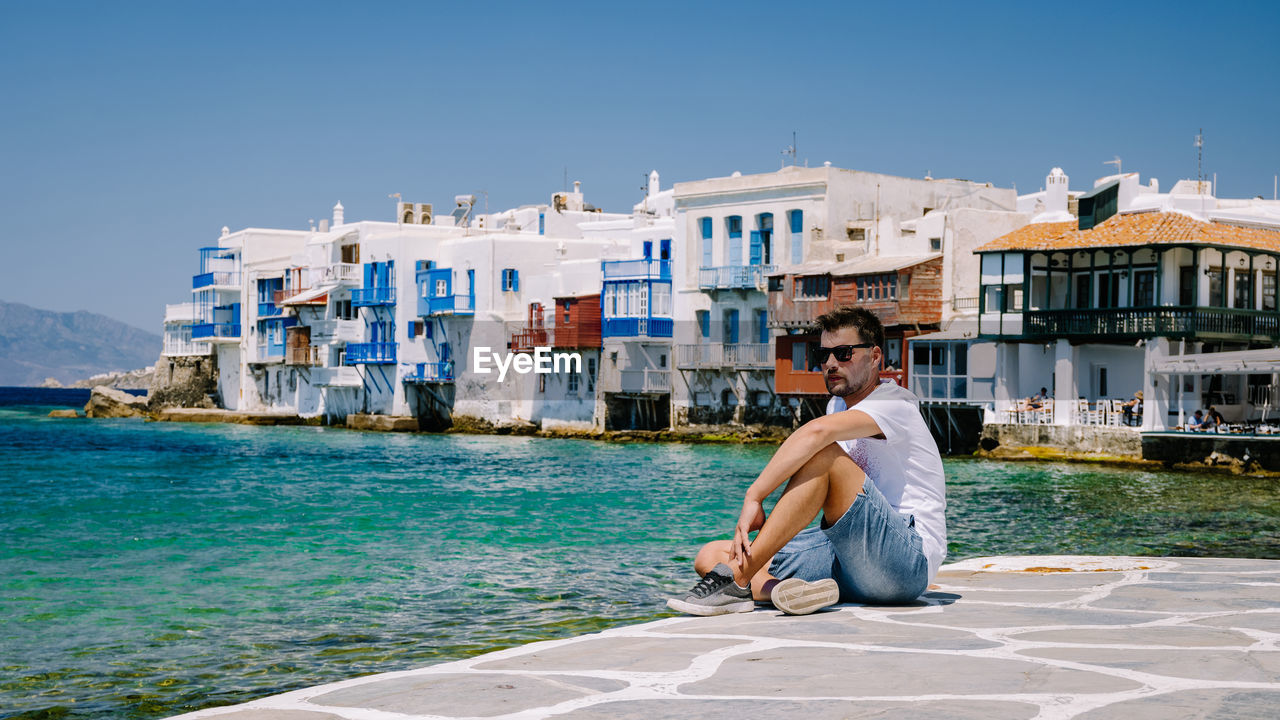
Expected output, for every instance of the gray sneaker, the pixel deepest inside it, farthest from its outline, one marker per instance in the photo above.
(715, 594)
(794, 596)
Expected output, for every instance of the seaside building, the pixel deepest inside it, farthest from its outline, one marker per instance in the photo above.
(1095, 304)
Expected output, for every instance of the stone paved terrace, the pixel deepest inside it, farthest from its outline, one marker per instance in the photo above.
(1002, 637)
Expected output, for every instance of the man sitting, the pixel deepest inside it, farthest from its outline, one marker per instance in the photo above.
(870, 466)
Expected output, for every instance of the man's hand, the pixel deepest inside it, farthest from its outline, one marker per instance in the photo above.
(750, 520)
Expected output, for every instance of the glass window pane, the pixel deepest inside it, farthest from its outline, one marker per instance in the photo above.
(920, 357)
(939, 360)
(960, 359)
(958, 389)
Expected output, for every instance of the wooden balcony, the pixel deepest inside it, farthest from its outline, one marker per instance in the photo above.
(1200, 323)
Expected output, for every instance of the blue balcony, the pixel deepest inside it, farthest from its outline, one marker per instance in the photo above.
(734, 277)
(449, 305)
(373, 296)
(220, 278)
(371, 353)
(441, 372)
(215, 330)
(637, 269)
(637, 327)
(269, 310)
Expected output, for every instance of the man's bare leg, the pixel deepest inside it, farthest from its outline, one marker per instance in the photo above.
(829, 482)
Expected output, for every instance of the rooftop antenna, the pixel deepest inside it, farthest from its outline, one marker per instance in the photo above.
(1115, 162)
(790, 150)
(1200, 162)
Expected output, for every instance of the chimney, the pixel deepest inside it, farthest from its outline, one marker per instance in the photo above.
(653, 183)
(324, 225)
(337, 214)
(1055, 191)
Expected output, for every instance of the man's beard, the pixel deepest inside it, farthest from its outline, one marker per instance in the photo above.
(844, 391)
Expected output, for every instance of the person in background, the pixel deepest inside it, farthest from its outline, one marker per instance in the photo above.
(1035, 402)
(1197, 421)
(1214, 418)
(1133, 409)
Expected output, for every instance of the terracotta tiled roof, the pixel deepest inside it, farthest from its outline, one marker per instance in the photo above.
(1136, 229)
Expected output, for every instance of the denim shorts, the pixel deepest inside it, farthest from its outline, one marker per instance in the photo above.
(873, 553)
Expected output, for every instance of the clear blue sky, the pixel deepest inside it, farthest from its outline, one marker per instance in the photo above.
(131, 132)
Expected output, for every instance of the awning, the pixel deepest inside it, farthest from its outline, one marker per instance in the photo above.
(861, 265)
(306, 297)
(1240, 362)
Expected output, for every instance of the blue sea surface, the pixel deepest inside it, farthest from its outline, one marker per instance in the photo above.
(149, 569)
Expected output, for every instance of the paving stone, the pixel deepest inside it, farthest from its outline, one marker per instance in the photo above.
(472, 694)
(625, 653)
(836, 627)
(1196, 664)
(1181, 636)
(1225, 565)
(1194, 705)
(808, 672)
(1214, 578)
(984, 616)
(1190, 597)
(1264, 621)
(809, 710)
(1023, 597)
(1026, 580)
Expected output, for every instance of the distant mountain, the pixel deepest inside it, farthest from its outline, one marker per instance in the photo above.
(38, 344)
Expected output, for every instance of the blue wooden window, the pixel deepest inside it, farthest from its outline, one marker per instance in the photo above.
(704, 323)
(797, 236)
(733, 225)
(757, 248)
(762, 326)
(706, 241)
(412, 326)
(648, 249)
(427, 331)
(510, 280)
(664, 249)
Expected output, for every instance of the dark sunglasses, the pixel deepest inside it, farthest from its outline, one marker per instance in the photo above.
(842, 352)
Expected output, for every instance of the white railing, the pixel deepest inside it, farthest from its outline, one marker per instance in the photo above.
(340, 273)
(187, 347)
(341, 376)
(646, 380)
(327, 331)
(180, 313)
(720, 355)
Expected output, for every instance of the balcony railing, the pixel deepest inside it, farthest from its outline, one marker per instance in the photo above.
(637, 327)
(369, 297)
(637, 269)
(1180, 322)
(646, 381)
(430, 373)
(267, 310)
(528, 339)
(734, 277)
(371, 353)
(215, 330)
(339, 273)
(279, 296)
(961, 304)
(451, 305)
(342, 376)
(180, 347)
(220, 278)
(326, 331)
(309, 355)
(720, 355)
(270, 353)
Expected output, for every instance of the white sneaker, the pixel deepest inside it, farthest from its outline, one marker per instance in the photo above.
(794, 596)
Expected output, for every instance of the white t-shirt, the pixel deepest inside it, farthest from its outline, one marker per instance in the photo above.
(905, 466)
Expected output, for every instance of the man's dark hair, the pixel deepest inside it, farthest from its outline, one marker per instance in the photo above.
(869, 327)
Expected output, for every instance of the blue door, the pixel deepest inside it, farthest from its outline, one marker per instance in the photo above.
(757, 248)
(730, 327)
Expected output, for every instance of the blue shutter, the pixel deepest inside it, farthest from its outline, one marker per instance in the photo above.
(706, 242)
(368, 275)
(389, 275)
(648, 249)
(412, 326)
(762, 326)
(730, 327)
(515, 281)
(471, 285)
(797, 237)
(704, 323)
(664, 249)
(757, 249)
(542, 223)
(735, 250)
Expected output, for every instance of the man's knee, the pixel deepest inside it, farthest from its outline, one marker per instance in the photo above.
(711, 554)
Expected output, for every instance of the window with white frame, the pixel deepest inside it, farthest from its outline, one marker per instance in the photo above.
(940, 370)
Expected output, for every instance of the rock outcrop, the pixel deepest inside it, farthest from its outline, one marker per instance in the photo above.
(105, 402)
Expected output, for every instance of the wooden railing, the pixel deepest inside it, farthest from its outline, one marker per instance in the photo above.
(1173, 322)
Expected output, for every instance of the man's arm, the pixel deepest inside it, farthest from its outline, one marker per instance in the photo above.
(802, 445)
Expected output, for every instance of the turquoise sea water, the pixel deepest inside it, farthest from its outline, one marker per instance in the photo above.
(148, 569)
